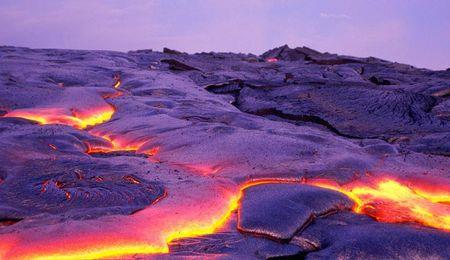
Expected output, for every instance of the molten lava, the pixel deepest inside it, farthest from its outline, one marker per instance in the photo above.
(74, 118)
(148, 232)
(154, 228)
(117, 80)
(117, 84)
(119, 144)
(388, 200)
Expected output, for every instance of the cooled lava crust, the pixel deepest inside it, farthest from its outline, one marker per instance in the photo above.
(293, 153)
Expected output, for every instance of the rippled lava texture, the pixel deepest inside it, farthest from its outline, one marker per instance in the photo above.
(166, 154)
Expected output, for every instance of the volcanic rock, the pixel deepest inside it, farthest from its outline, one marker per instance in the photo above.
(177, 65)
(280, 210)
(350, 236)
(170, 51)
(158, 158)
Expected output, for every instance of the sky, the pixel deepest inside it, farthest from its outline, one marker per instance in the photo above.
(415, 32)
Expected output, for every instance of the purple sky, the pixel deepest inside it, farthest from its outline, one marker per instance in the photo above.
(408, 31)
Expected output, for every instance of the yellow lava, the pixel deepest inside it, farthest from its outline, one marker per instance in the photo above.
(126, 249)
(388, 200)
(78, 120)
(117, 84)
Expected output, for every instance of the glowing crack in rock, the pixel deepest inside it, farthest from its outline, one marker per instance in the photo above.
(117, 82)
(202, 169)
(119, 144)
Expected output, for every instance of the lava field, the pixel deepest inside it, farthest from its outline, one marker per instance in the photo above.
(292, 153)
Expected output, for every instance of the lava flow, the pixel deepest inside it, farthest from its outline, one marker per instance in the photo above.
(72, 117)
(388, 200)
(391, 201)
(118, 145)
(147, 232)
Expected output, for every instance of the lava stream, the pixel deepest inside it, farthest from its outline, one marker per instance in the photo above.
(146, 232)
(388, 200)
(72, 117)
(385, 199)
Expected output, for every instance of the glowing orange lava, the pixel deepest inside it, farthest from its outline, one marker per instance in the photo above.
(117, 81)
(388, 200)
(119, 144)
(166, 225)
(74, 118)
(385, 199)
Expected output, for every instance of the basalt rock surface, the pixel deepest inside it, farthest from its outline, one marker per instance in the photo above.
(349, 236)
(167, 154)
(280, 210)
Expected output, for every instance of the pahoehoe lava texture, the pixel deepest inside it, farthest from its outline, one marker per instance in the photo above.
(233, 245)
(76, 189)
(132, 154)
(280, 210)
(351, 236)
(353, 111)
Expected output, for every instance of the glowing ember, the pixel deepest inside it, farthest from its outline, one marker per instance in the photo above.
(73, 118)
(271, 60)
